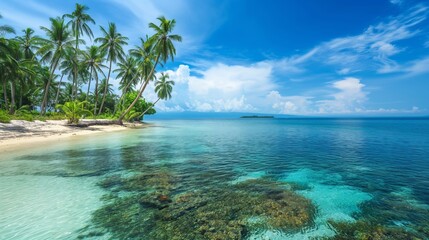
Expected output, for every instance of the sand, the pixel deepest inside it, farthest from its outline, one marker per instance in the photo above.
(33, 134)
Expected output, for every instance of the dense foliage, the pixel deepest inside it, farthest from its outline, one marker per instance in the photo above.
(39, 73)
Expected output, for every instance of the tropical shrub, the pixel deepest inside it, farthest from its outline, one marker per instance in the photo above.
(24, 113)
(138, 108)
(74, 110)
(4, 117)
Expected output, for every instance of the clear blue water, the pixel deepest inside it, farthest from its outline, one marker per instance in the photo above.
(352, 170)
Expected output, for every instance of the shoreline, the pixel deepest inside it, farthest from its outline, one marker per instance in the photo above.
(20, 134)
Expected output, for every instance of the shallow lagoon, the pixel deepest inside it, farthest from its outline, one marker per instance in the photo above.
(174, 176)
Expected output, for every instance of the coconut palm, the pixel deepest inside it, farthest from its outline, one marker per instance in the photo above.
(59, 38)
(163, 47)
(4, 29)
(4, 48)
(13, 68)
(93, 59)
(111, 43)
(128, 73)
(163, 89)
(79, 24)
(29, 43)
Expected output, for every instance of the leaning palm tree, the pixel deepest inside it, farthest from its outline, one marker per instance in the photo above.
(93, 59)
(59, 38)
(163, 89)
(78, 22)
(111, 43)
(162, 42)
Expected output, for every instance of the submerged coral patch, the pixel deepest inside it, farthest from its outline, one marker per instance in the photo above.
(159, 208)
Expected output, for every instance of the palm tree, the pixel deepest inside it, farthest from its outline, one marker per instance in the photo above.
(59, 38)
(13, 68)
(30, 43)
(60, 84)
(4, 29)
(68, 67)
(78, 21)
(163, 89)
(4, 50)
(162, 42)
(128, 73)
(93, 59)
(111, 43)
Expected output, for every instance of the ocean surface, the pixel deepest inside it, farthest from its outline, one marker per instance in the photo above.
(224, 179)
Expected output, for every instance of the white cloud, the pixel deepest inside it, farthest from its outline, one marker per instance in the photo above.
(160, 106)
(242, 88)
(418, 66)
(223, 81)
(396, 2)
(220, 88)
(370, 50)
(290, 104)
(221, 105)
(181, 75)
(344, 71)
(348, 98)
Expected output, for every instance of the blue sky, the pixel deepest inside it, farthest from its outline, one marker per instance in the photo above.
(306, 57)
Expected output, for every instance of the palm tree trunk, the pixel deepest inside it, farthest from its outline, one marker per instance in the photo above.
(89, 85)
(96, 93)
(6, 104)
(125, 91)
(105, 89)
(75, 68)
(12, 97)
(45, 97)
(143, 87)
(147, 109)
(21, 93)
(58, 90)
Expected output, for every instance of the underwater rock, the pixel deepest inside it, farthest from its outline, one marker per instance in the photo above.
(367, 230)
(157, 210)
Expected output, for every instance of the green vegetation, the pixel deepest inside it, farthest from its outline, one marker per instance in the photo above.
(74, 110)
(4, 117)
(41, 72)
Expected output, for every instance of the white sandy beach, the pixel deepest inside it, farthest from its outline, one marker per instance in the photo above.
(19, 132)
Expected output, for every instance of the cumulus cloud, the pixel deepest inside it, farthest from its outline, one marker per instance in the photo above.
(250, 88)
(348, 98)
(181, 75)
(222, 105)
(220, 88)
(225, 81)
(290, 104)
(230, 87)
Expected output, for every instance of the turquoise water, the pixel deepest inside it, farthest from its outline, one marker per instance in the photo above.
(361, 173)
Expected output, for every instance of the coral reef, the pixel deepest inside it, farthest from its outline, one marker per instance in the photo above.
(364, 230)
(159, 207)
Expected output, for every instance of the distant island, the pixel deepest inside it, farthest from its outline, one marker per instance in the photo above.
(255, 116)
